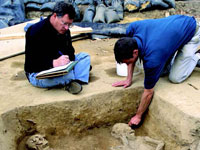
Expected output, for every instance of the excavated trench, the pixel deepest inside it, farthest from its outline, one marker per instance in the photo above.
(81, 124)
(77, 124)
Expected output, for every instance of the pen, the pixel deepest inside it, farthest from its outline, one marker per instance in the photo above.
(60, 52)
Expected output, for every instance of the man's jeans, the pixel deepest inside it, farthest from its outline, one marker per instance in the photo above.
(186, 60)
(80, 72)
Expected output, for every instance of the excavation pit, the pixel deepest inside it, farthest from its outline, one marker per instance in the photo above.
(60, 121)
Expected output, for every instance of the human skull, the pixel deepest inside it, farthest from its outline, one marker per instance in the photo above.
(37, 142)
(122, 129)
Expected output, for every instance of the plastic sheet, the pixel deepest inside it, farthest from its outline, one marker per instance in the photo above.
(104, 30)
(12, 12)
(3, 24)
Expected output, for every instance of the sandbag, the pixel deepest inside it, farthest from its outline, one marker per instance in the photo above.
(111, 15)
(58, 0)
(145, 4)
(36, 1)
(77, 10)
(99, 16)
(159, 4)
(131, 5)
(89, 13)
(156, 4)
(84, 2)
(117, 4)
(108, 3)
(98, 2)
(171, 3)
(33, 6)
(48, 6)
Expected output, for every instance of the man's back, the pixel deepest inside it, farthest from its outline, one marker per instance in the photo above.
(158, 40)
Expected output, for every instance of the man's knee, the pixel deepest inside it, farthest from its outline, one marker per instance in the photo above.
(82, 55)
(175, 79)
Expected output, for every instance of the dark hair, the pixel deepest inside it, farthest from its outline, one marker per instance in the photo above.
(62, 8)
(124, 48)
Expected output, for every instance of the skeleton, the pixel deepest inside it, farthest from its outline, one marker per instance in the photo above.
(131, 142)
(193, 146)
(37, 142)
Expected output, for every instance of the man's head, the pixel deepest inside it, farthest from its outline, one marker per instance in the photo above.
(126, 48)
(62, 16)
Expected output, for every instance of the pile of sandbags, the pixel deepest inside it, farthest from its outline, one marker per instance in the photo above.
(13, 12)
(97, 11)
(139, 5)
(110, 11)
(104, 12)
(38, 8)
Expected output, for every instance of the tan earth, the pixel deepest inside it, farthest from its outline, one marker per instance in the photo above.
(84, 121)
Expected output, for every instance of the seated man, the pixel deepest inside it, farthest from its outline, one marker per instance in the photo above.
(48, 45)
(156, 41)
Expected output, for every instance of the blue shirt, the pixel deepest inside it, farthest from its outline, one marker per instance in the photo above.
(158, 40)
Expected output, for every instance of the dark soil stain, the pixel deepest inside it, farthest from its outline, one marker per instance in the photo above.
(111, 72)
(17, 65)
(19, 76)
(93, 78)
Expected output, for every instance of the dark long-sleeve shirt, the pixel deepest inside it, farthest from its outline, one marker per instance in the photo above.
(43, 44)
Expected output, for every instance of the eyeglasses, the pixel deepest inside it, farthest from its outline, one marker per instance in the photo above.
(66, 24)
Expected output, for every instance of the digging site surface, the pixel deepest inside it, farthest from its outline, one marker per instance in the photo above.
(85, 121)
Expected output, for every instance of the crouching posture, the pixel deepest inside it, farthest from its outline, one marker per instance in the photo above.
(166, 45)
(49, 45)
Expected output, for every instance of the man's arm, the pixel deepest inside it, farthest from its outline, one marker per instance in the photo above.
(69, 49)
(144, 104)
(128, 81)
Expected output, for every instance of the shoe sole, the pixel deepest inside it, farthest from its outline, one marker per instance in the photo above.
(74, 88)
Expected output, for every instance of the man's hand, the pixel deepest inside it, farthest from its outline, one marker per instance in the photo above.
(60, 61)
(144, 104)
(135, 120)
(125, 83)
